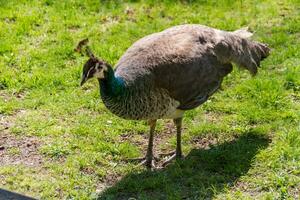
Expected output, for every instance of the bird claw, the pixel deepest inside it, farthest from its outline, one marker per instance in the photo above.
(170, 159)
(149, 163)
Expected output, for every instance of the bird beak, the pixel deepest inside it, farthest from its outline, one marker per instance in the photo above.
(83, 80)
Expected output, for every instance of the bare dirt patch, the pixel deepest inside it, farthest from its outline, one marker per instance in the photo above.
(205, 141)
(16, 149)
(19, 150)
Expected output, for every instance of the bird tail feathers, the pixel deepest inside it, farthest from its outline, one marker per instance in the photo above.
(236, 47)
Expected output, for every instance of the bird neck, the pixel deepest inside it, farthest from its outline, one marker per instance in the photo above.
(111, 85)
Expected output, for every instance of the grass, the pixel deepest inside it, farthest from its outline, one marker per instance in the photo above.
(243, 143)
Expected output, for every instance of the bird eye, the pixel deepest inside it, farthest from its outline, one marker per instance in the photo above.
(98, 66)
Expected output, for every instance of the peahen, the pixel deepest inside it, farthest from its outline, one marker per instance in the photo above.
(167, 73)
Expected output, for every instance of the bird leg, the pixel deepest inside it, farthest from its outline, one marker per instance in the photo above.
(148, 160)
(178, 153)
(149, 156)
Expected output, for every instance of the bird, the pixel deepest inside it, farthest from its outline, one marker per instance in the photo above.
(165, 74)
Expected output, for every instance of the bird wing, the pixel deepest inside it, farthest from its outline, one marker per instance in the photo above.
(180, 60)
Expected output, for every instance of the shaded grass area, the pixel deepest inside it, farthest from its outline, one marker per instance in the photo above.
(201, 175)
(81, 146)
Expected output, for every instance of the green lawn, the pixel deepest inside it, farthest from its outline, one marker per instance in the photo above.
(58, 141)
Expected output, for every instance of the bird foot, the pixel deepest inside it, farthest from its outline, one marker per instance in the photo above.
(149, 163)
(170, 159)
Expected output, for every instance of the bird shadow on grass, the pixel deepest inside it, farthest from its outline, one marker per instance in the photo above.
(201, 175)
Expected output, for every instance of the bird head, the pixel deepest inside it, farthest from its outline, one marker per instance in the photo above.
(94, 67)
